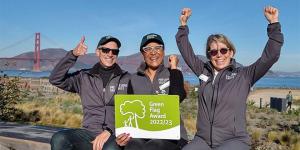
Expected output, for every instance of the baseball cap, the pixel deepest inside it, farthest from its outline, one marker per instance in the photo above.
(151, 37)
(107, 39)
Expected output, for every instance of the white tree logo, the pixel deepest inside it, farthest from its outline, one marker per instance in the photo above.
(136, 109)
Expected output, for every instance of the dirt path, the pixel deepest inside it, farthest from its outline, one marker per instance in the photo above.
(266, 94)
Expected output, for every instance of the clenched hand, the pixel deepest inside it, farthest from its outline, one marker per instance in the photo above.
(185, 14)
(271, 14)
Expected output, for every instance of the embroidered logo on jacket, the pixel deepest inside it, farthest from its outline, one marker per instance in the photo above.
(163, 84)
(162, 80)
(122, 87)
(112, 88)
(229, 77)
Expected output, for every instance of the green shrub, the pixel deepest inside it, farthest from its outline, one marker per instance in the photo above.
(256, 134)
(272, 136)
(10, 95)
(285, 138)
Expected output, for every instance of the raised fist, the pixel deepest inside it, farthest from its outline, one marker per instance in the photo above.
(173, 61)
(81, 48)
(271, 14)
(185, 14)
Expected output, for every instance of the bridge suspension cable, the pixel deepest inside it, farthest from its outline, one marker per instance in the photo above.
(17, 43)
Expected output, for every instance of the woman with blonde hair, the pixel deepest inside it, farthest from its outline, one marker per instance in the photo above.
(224, 86)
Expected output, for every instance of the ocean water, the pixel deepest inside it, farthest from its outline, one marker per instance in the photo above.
(280, 82)
(265, 82)
(25, 73)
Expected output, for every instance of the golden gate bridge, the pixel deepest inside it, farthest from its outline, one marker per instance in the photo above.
(37, 48)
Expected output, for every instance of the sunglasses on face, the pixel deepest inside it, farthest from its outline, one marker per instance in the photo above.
(148, 49)
(107, 50)
(214, 52)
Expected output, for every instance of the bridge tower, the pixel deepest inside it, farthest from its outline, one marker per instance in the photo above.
(37, 48)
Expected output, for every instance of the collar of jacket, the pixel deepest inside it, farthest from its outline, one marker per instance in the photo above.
(231, 66)
(141, 69)
(95, 71)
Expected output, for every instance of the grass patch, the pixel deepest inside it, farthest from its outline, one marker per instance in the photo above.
(62, 110)
(296, 102)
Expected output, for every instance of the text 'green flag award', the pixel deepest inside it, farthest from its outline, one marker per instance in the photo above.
(148, 116)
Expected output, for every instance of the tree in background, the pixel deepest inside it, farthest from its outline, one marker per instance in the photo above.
(10, 95)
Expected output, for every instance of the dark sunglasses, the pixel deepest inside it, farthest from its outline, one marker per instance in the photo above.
(107, 50)
(214, 52)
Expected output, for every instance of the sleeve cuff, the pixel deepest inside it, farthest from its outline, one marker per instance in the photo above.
(184, 27)
(109, 130)
(274, 27)
(71, 55)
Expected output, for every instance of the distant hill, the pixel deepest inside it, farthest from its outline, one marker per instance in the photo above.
(282, 74)
(51, 56)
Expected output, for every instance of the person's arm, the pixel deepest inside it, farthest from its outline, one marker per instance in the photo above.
(176, 79)
(177, 84)
(184, 44)
(272, 49)
(60, 77)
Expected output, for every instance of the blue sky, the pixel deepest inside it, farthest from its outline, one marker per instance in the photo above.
(62, 23)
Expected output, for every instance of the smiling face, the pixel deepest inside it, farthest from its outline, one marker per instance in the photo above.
(219, 50)
(107, 59)
(222, 58)
(154, 57)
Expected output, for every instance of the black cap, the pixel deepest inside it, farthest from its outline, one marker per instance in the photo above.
(107, 39)
(151, 37)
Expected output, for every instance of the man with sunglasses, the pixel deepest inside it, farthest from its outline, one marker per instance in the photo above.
(96, 88)
(153, 77)
(224, 87)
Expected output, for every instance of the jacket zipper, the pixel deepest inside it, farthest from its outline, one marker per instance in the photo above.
(213, 116)
(211, 119)
(104, 101)
(234, 129)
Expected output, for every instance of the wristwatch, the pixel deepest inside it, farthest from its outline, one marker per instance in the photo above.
(109, 130)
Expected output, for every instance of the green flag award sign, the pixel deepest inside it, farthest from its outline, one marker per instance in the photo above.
(148, 116)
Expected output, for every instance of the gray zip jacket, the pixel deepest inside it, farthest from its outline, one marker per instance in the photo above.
(97, 101)
(141, 84)
(222, 104)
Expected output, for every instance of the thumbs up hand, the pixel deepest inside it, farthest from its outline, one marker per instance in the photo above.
(81, 48)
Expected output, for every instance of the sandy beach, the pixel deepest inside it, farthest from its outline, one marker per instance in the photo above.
(266, 94)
